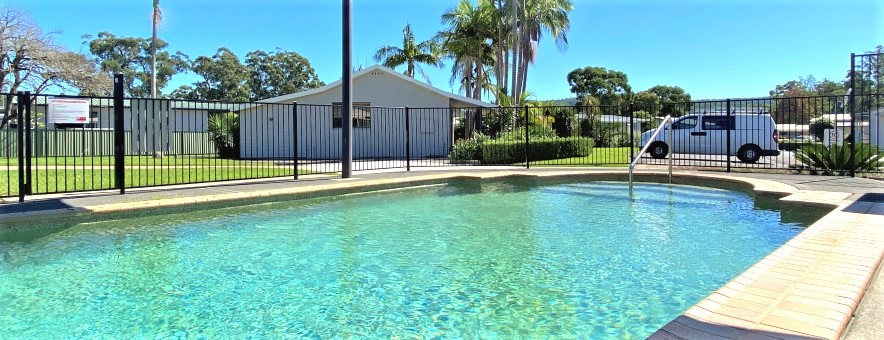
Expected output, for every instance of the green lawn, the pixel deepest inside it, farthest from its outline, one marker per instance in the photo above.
(49, 181)
(618, 157)
(136, 160)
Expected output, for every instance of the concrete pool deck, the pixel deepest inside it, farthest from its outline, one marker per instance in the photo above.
(810, 287)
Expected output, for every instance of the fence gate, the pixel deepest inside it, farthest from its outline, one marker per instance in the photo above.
(55, 144)
(866, 110)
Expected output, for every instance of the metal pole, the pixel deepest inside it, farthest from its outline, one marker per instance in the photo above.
(852, 113)
(19, 121)
(671, 149)
(407, 141)
(527, 142)
(29, 148)
(119, 136)
(727, 137)
(346, 93)
(295, 135)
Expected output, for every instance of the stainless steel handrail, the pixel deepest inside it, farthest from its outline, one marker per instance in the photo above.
(667, 119)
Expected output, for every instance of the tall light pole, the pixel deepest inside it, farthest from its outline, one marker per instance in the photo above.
(346, 94)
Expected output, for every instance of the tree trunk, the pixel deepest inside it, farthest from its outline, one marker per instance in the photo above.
(153, 52)
(153, 67)
(500, 58)
(467, 78)
(477, 93)
(515, 47)
(505, 70)
(523, 71)
(524, 74)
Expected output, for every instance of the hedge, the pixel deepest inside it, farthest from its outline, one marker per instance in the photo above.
(513, 151)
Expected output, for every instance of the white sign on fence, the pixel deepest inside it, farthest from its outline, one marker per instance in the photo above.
(68, 111)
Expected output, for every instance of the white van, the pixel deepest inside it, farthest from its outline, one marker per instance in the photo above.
(751, 136)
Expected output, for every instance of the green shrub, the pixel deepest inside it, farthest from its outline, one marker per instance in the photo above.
(836, 159)
(224, 129)
(534, 132)
(513, 151)
(464, 149)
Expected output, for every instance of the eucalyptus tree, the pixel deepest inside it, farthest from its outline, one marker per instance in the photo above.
(131, 56)
(30, 60)
(279, 72)
(224, 77)
(411, 54)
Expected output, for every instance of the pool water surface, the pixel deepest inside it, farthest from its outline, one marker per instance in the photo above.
(464, 259)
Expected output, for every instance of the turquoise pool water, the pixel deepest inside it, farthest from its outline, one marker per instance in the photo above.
(498, 259)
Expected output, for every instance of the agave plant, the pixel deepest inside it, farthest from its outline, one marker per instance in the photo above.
(837, 158)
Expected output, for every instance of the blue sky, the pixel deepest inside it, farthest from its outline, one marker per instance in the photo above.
(711, 48)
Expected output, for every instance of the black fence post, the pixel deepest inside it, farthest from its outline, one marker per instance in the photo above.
(19, 122)
(119, 136)
(295, 135)
(29, 147)
(527, 142)
(852, 107)
(407, 140)
(727, 137)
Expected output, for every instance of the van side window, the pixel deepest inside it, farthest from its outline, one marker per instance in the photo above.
(718, 123)
(685, 123)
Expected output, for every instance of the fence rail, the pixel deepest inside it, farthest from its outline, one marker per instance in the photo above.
(162, 141)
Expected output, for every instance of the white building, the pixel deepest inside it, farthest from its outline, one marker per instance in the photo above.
(380, 96)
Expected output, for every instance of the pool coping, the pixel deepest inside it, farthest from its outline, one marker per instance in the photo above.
(791, 293)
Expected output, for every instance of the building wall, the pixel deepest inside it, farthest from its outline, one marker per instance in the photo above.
(154, 127)
(172, 120)
(263, 137)
(430, 129)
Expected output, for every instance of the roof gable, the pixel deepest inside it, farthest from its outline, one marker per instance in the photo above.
(402, 77)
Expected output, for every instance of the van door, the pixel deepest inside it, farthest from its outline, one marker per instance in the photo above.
(715, 130)
(682, 129)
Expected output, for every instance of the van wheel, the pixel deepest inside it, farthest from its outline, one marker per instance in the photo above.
(749, 153)
(658, 150)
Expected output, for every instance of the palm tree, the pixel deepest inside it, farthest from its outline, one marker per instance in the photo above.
(411, 53)
(539, 17)
(504, 34)
(157, 18)
(469, 41)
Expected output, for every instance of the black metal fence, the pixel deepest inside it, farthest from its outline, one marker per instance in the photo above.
(54, 144)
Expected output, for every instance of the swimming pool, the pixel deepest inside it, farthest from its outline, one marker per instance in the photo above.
(463, 259)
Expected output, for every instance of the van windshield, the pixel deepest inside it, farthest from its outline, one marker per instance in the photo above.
(688, 122)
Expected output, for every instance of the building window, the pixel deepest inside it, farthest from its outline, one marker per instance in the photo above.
(361, 115)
